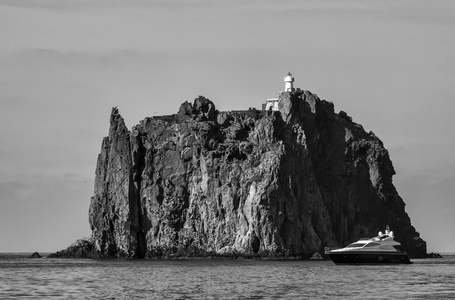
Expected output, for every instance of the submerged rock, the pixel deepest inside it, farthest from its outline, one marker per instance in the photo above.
(268, 183)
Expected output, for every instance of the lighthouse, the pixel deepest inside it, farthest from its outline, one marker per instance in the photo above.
(289, 83)
(272, 103)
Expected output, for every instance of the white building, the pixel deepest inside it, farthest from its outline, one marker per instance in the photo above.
(272, 103)
(289, 83)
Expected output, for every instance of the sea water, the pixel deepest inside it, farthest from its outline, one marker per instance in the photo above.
(51, 278)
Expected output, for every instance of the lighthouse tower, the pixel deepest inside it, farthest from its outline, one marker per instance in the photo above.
(272, 103)
(288, 83)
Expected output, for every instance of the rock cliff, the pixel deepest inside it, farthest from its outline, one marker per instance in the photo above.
(268, 183)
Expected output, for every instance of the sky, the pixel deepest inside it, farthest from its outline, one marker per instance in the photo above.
(65, 63)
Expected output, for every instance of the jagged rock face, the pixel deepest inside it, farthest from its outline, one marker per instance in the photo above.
(114, 207)
(275, 183)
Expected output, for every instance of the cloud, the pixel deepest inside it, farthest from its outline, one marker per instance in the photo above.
(3, 153)
(51, 57)
(388, 64)
(429, 202)
(57, 4)
(102, 4)
(43, 212)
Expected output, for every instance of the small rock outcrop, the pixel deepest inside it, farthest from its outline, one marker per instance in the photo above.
(82, 248)
(434, 255)
(281, 183)
(35, 255)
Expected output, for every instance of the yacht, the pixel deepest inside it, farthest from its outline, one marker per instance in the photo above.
(382, 249)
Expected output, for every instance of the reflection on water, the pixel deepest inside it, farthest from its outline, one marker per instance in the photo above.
(222, 279)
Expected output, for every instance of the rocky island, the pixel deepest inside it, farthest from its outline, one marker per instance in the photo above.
(284, 181)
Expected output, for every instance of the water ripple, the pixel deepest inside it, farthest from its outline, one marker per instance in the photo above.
(222, 279)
